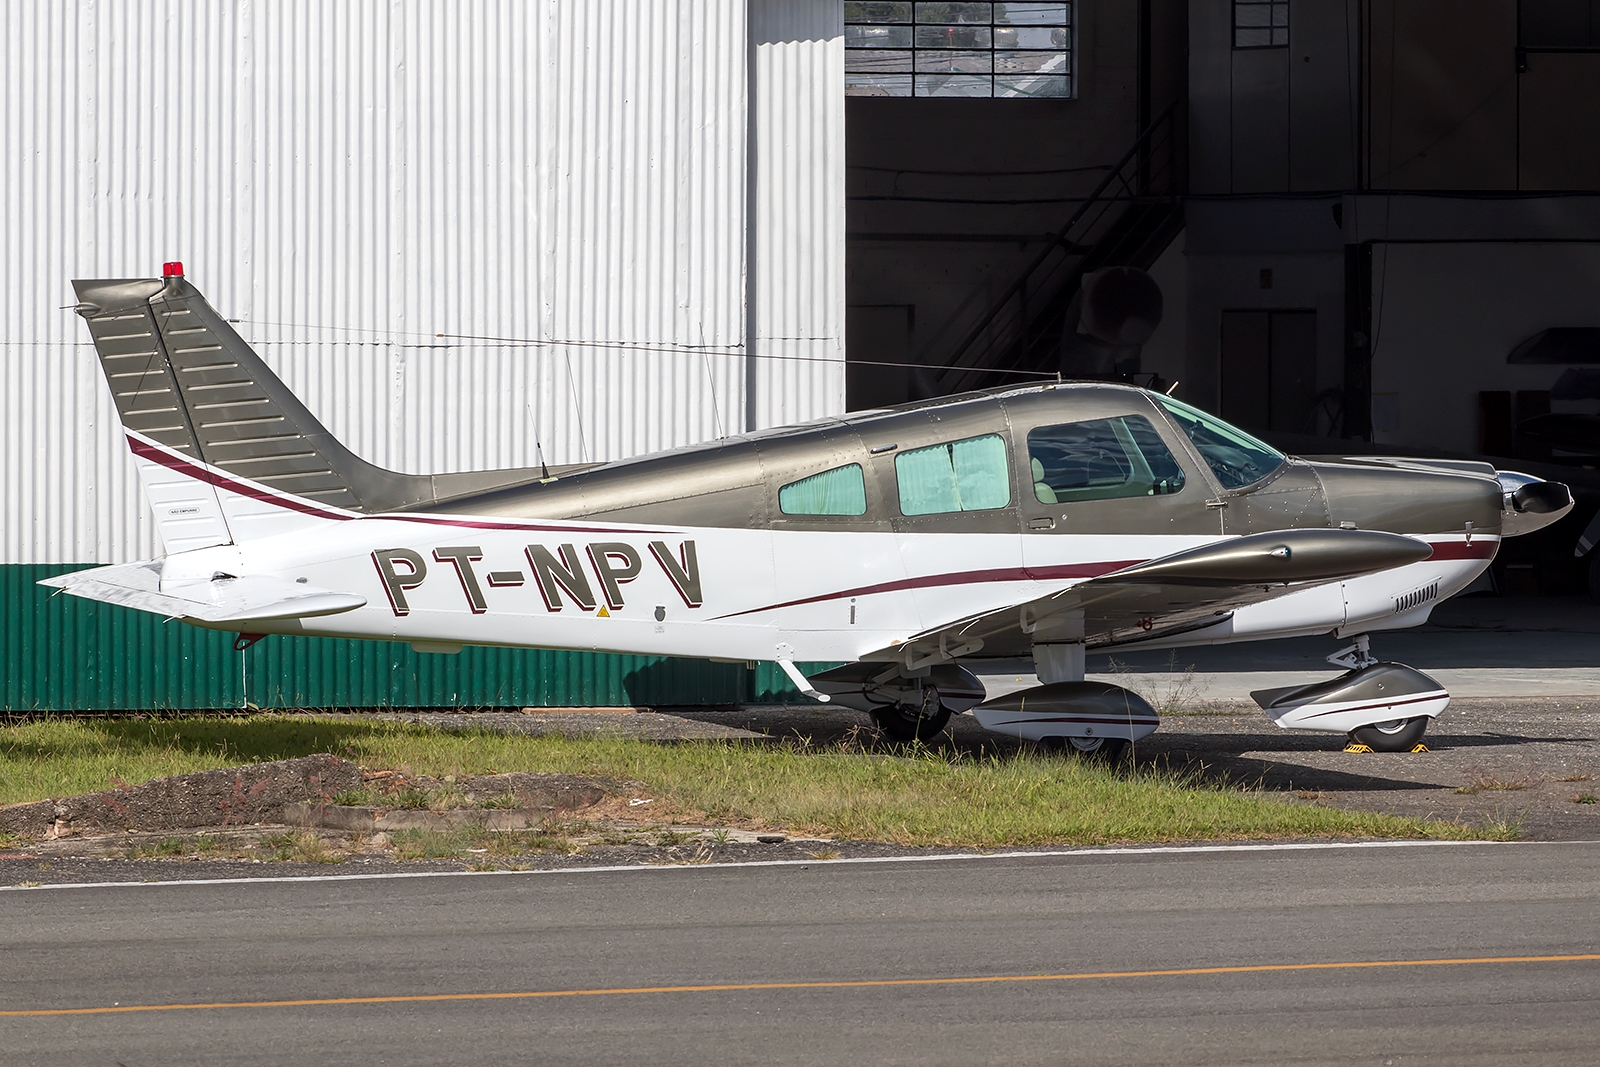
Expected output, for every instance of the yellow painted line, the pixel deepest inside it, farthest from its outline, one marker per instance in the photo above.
(745, 987)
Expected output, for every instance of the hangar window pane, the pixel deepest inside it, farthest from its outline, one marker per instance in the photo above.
(967, 475)
(841, 491)
(1009, 50)
(1102, 459)
(1261, 23)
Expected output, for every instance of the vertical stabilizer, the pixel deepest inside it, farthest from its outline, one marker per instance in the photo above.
(226, 451)
(187, 509)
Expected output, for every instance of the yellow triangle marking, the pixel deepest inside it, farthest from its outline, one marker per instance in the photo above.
(603, 613)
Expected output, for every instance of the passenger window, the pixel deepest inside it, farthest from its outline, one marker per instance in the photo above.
(1102, 459)
(841, 491)
(966, 475)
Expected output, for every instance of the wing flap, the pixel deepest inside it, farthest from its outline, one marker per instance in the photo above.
(222, 600)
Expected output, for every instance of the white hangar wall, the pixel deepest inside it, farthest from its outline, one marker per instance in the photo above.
(455, 230)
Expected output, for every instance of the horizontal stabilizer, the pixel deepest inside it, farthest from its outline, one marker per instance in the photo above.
(220, 601)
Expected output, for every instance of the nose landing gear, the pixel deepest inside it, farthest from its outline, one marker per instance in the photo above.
(1392, 735)
(1384, 707)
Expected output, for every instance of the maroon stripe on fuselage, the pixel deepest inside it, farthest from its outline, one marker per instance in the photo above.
(929, 581)
(1443, 550)
(1484, 549)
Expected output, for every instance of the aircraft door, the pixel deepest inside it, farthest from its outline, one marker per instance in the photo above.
(1104, 491)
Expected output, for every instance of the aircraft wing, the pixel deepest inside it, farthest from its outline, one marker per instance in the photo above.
(220, 600)
(1186, 591)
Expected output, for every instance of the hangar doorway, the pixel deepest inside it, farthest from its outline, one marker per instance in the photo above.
(1269, 370)
(996, 154)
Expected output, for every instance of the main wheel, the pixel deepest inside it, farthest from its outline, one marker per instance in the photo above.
(1396, 735)
(917, 721)
(1108, 749)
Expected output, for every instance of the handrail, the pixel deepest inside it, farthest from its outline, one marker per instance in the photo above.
(1139, 151)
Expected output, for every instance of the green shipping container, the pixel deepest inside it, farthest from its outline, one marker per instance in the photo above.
(63, 653)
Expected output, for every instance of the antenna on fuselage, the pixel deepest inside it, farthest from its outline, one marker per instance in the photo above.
(538, 449)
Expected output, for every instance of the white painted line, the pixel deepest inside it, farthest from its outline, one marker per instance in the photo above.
(944, 857)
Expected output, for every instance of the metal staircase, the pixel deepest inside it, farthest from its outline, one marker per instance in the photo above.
(1128, 220)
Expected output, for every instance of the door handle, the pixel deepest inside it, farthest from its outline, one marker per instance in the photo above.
(1046, 523)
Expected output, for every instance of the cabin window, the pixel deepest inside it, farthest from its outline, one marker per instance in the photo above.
(1102, 459)
(841, 491)
(966, 475)
(1236, 458)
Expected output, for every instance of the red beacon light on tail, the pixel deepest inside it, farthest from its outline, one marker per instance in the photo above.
(172, 270)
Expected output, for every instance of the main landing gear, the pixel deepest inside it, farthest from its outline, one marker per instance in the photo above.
(905, 707)
(1384, 707)
(920, 717)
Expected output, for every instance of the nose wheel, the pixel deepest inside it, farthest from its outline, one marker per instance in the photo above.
(918, 719)
(1395, 735)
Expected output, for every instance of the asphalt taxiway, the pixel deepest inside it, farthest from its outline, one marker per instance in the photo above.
(1384, 953)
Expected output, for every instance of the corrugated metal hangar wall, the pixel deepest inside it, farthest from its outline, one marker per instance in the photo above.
(455, 231)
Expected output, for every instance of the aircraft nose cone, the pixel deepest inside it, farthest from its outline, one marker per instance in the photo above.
(1529, 503)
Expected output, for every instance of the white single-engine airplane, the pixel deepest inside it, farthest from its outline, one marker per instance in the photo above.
(1038, 521)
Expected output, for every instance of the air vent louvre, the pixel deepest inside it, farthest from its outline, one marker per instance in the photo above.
(1416, 598)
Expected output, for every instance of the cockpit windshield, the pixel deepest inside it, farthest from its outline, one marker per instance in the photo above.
(1234, 456)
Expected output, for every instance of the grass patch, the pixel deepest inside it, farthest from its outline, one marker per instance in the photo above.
(406, 800)
(429, 844)
(299, 846)
(911, 796)
(165, 848)
(200, 846)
